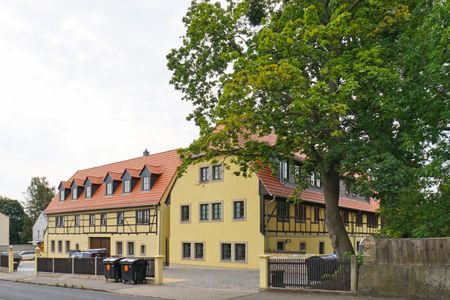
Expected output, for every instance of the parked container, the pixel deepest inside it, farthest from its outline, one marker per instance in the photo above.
(112, 269)
(133, 270)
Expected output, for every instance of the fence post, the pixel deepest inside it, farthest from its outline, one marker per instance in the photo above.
(264, 271)
(353, 273)
(73, 265)
(10, 259)
(158, 269)
(37, 253)
(53, 265)
(95, 266)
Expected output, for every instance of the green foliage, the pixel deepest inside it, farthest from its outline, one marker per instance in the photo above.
(19, 224)
(38, 195)
(361, 88)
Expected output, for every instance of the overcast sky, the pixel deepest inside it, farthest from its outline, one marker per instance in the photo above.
(85, 83)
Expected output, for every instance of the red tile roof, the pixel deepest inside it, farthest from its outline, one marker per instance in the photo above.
(80, 182)
(133, 172)
(167, 163)
(276, 188)
(94, 179)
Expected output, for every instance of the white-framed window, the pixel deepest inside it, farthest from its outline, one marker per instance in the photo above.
(216, 172)
(109, 188)
(146, 183)
(88, 191)
(204, 174)
(315, 180)
(92, 220)
(59, 221)
(143, 216)
(127, 186)
(120, 218)
(204, 212)
(74, 193)
(216, 211)
(285, 170)
(62, 195)
(238, 209)
(77, 221)
(103, 219)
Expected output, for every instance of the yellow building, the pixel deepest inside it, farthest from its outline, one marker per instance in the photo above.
(222, 220)
(120, 206)
(4, 230)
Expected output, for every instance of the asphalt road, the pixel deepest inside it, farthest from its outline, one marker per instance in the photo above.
(24, 291)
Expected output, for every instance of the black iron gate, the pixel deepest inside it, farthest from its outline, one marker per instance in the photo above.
(324, 273)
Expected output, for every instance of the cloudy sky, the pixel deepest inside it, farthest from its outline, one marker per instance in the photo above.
(84, 83)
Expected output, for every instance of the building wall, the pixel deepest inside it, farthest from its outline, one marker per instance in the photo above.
(291, 231)
(188, 190)
(4, 229)
(141, 235)
(39, 228)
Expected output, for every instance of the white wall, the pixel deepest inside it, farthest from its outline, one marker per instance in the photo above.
(4, 229)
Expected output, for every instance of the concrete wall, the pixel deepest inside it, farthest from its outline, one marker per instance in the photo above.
(406, 268)
(4, 230)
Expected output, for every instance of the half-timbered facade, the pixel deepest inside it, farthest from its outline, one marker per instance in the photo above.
(120, 206)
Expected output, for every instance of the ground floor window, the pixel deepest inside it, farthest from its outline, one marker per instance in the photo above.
(239, 253)
(321, 247)
(186, 251)
(119, 248)
(60, 246)
(77, 246)
(67, 246)
(280, 246)
(52, 246)
(143, 250)
(199, 248)
(226, 251)
(130, 248)
(302, 247)
(233, 252)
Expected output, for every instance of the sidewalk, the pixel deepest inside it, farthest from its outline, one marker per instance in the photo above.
(167, 291)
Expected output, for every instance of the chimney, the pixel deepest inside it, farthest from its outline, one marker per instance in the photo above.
(146, 153)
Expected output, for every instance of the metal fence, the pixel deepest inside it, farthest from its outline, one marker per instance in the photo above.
(4, 261)
(324, 273)
(85, 266)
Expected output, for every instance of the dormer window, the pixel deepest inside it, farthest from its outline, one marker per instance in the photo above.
(315, 180)
(109, 188)
(285, 173)
(62, 195)
(146, 183)
(88, 191)
(127, 186)
(74, 193)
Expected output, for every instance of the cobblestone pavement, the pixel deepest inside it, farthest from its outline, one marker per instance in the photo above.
(223, 279)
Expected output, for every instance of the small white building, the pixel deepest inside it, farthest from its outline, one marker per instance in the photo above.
(39, 228)
(4, 230)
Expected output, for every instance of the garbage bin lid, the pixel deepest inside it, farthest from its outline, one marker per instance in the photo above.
(112, 259)
(129, 260)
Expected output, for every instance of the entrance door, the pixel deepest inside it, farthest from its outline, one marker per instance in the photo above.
(100, 242)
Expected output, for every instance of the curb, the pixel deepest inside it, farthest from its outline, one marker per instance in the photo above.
(73, 286)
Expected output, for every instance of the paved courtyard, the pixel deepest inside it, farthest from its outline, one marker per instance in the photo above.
(224, 279)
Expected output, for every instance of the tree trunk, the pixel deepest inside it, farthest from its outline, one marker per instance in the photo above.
(335, 226)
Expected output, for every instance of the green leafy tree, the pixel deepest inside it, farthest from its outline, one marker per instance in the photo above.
(19, 228)
(328, 77)
(38, 196)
